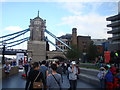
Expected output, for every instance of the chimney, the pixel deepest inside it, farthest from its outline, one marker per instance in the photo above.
(74, 36)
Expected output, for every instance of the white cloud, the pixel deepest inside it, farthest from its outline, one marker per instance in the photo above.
(92, 24)
(59, 0)
(60, 34)
(3, 0)
(73, 7)
(13, 28)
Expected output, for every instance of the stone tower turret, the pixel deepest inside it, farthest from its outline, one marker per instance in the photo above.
(37, 26)
(74, 36)
(36, 44)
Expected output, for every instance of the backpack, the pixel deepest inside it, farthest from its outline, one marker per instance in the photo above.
(59, 70)
(78, 70)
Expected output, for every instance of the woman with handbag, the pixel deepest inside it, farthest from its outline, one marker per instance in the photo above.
(35, 78)
(54, 80)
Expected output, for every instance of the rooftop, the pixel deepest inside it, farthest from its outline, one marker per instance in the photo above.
(67, 36)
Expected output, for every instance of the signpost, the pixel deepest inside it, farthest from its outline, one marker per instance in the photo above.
(20, 60)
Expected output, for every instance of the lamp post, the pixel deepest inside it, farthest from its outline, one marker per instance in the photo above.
(84, 59)
(3, 53)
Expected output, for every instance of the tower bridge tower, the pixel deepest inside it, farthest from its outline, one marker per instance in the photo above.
(36, 44)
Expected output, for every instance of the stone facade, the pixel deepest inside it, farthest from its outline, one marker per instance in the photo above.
(52, 54)
(37, 26)
(37, 50)
(37, 44)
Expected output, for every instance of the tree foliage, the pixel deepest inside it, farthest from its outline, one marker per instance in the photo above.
(92, 52)
(73, 54)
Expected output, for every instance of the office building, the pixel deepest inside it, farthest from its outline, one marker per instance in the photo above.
(115, 25)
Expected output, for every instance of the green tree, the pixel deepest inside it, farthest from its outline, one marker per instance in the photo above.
(92, 52)
(73, 53)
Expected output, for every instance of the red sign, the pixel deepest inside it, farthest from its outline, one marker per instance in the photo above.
(107, 56)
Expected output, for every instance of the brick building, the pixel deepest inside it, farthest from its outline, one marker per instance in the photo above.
(82, 42)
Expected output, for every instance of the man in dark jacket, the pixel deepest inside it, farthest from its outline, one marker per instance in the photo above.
(59, 69)
(108, 79)
(32, 76)
(26, 67)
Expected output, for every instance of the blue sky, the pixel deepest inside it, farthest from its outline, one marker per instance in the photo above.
(88, 17)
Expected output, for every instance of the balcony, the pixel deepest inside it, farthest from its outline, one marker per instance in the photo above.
(114, 24)
(113, 18)
(114, 31)
(109, 32)
(110, 38)
(114, 46)
(116, 38)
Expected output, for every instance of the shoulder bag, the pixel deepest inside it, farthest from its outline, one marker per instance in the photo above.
(37, 84)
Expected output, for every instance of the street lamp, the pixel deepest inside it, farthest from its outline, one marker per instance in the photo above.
(3, 53)
(84, 54)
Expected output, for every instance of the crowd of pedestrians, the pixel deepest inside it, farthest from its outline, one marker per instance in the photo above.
(113, 58)
(51, 74)
(7, 69)
(109, 77)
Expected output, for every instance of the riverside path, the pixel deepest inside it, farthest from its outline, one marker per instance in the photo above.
(17, 82)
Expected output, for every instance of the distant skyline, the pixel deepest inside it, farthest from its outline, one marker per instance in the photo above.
(88, 17)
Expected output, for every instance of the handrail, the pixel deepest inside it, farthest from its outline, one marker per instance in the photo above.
(57, 38)
(14, 36)
(18, 43)
(54, 44)
(15, 33)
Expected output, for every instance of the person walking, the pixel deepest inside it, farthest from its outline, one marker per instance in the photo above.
(26, 68)
(101, 76)
(44, 69)
(108, 78)
(59, 69)
(7, 68)
(34, 74)
(68, 65)
(54, 79)
(73, 71)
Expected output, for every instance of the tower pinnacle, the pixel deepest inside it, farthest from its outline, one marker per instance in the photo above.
(38, 13)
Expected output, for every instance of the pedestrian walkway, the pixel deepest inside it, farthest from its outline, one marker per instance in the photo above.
(16, 81)
(80, 84)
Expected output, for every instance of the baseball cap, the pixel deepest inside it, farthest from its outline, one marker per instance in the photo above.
(73, 62)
